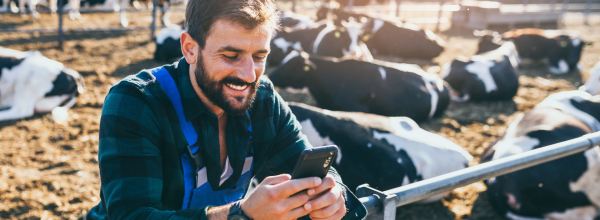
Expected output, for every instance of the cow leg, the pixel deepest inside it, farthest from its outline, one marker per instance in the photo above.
(23, 105)
(74, 9)
(4, 5)
(122, 15)
(33, 7)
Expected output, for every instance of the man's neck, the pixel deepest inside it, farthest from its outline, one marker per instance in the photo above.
(209, 105)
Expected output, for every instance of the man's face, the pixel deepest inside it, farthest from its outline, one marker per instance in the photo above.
(231, 63)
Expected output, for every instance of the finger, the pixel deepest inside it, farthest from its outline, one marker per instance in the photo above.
(328, 211)
(338, 215)
(328, 183)
(328, 198)
(291, 187)
(274, 180)
(296, 201)
(296, 213)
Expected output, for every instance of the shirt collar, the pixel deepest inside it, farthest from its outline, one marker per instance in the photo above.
(192, 105)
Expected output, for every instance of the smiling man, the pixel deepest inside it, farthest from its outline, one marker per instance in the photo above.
(183, 141)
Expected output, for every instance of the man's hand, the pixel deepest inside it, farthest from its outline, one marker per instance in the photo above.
(326, 200)
(274, 198)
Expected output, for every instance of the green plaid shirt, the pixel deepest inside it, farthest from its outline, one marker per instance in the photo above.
(141, 143)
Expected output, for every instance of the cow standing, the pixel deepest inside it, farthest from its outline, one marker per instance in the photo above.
(565, 188)
(30, 83)
(488, 76)
(374, 87)
(386, 152)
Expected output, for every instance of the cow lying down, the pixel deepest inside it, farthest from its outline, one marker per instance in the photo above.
(31, 83)
(386, 152)
(377, 87)
(566, 188)
(488, 76)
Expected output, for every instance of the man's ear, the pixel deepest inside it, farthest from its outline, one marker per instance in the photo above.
(189, 48)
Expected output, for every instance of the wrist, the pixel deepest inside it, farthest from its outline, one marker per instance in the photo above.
(243, 206)
(236, 212)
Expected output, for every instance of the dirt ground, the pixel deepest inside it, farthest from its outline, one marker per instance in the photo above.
(50, 170)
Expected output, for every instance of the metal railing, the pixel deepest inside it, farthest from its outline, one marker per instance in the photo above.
(382, 205)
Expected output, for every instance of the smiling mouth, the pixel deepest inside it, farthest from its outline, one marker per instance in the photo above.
(237, 87)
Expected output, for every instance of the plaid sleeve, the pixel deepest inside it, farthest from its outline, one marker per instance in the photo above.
(290, 142)
(130, 157)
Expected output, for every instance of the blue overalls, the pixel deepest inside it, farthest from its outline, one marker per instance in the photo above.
(198, 192)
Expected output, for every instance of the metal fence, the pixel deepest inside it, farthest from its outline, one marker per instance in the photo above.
(382, 205)
(436, 10)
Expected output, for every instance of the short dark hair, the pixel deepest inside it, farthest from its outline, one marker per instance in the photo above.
(200, 15)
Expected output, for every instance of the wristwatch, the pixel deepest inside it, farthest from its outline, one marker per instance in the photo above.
(236, 213)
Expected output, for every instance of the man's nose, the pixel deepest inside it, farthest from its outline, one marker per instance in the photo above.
(247, 69)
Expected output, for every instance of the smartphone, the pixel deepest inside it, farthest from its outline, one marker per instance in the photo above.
(315, 162)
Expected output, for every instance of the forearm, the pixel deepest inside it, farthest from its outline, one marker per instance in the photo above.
(218, 213)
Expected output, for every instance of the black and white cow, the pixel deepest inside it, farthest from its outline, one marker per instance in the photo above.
(561, 49)
(403, 39)
(30, 83)
(565, 188)
(168, 46)
(337, 15)
(378, 87)
(488, 76)
(325, 39)
(592, 85)
(7, 5)
(295, 21)
(386, 152)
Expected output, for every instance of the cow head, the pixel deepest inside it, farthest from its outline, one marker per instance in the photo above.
(280, 47)
(488, 41)
(456, 74)
(354, 30)
(293, 71)
(565, 54)
(332, 41)
(592, 85)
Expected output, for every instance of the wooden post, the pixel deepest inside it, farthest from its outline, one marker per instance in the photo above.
(153, 25)
(60, 25)
(439, 20)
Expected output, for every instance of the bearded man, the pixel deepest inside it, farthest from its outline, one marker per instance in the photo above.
(183, 141)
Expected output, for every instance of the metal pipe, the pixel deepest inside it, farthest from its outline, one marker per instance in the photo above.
(525, 3)
(440, 184)
(586, 19)
(153, 25)
(439, 19)
(398, 8)
(60, 24)
(372, 203)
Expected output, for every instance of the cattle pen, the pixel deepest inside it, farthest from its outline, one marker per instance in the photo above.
(50, 171)
(457, 8)
(382, 205)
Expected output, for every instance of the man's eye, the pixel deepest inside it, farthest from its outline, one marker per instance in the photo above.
(260, 57)
(230, 57)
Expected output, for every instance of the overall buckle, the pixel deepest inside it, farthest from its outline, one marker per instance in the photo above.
(196, 158)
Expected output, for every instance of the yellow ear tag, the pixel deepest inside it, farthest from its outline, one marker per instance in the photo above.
(563, 43)
(337, 34)
(366, 38)
(306, 68)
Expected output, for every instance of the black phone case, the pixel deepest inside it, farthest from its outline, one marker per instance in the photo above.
(315, 162)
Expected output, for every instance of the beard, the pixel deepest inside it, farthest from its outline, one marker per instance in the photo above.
(213, 90)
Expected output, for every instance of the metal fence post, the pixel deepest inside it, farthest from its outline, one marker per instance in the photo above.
(350, 4)
(552, 5)
(564, 10)
(525, 3)
(293, 5)
(586, 18)
(439, 20)
(60, 24)
(388, 202)
(153, 25)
